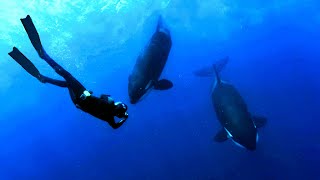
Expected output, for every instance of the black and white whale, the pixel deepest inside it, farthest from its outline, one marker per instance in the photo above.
(150, 64)
(231, 110)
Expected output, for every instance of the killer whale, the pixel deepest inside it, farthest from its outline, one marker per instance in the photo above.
(150, 64)
(231, 110)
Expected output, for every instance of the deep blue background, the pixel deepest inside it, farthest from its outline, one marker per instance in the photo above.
(274, 63)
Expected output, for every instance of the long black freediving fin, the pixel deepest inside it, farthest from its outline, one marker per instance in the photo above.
(33, 34)
(24, 62)
(209, 70)
(27, 65)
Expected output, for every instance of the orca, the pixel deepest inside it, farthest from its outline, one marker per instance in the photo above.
(150, 64)
(238, 124)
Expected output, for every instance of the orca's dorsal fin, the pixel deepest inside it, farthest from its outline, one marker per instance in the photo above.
(217, 74)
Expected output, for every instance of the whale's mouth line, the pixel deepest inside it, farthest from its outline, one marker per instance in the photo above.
(147, 91)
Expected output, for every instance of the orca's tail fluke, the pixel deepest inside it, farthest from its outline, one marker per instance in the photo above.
(212, 70)
(219, 65)
(161, 26)
(160, 22)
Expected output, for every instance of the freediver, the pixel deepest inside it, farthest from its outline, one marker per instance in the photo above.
(104, 108)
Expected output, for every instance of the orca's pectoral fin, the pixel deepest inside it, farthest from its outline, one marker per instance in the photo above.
(259, 121)
(163, 84)
(221, 136)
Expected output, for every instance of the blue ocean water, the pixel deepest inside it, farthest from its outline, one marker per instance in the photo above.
(274, 62)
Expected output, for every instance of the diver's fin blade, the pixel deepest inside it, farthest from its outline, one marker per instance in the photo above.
(221, 136)
(24, 62)
(209, 71)
(163, 84)
(32, 33)
(259, 121)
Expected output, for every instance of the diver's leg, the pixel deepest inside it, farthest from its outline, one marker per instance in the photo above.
(73, 84)
(75, 87)
(59, 83)
(32, 70)
(161, 26)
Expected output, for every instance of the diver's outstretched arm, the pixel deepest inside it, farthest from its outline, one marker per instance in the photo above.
(31, 68)
(116, 125)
